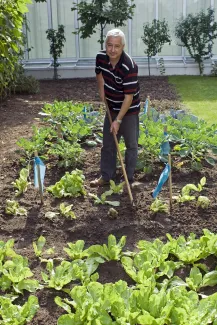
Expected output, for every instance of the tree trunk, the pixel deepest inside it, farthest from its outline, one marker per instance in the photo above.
(149, 66)
(101, 36)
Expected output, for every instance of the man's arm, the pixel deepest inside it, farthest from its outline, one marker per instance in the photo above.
(124, 108)
(100, 82)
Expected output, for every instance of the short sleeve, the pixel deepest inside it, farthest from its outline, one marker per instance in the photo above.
(97, 68)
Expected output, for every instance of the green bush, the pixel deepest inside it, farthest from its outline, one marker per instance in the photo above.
(27, 84)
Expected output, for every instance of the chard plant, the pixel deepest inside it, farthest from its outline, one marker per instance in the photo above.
(38, 247)
(13, 208)
(15, 275)
(159, 206)
(58, 277)
(11, 313)
(196, 280)
(187, 189)
(71, 184)
(21, 184)
(66, 211)
(112, 251)
(203, 202)
(114, 189)
(76, 250)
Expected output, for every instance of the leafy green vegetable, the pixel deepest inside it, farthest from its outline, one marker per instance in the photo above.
(76, 250)
(15, 314)
(71, 184)
(159, 206)
(39, 245)
(109, 252)
(203, 202)
(21, 184)
(65, 210)
(13, 207)
(70, 154)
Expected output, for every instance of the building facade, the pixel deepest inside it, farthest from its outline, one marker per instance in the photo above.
(78, 57)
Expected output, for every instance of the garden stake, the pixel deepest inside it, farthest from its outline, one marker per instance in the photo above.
(170, 180)
(39, 180)
(148, 109)
(120, 157)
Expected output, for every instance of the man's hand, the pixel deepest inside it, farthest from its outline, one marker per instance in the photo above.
(115, 127)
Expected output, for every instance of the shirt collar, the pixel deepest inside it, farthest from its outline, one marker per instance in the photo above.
(119, 64)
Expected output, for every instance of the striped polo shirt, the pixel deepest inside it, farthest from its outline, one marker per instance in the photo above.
(118, 81)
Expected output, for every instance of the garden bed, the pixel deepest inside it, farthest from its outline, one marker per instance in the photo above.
(93, 225)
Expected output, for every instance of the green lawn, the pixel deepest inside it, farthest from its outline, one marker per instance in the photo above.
(198, 94)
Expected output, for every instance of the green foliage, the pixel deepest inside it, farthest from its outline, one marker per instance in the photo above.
(15, 314)
(191, 141)
(155, 35)
(197, 33)
(13, 208)
(101, 13)
(70, 118)
(71, 184)
(186, 193)
(66, 211)
(203, 202)
(39, 245)
(114, 189)
(11, 40)
(57, 39)
(159, 206)
(157, 297)
(26, 84)
(69, 153)
(66, 272)
(21, 184)
(76, 250)
(41, 139)
(109, 252)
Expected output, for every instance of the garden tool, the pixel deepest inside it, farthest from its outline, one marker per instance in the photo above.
(120, 157)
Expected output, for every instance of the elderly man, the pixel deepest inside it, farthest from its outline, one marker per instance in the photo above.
(117, 77)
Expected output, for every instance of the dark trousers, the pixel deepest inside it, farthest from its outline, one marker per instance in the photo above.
(129, 129)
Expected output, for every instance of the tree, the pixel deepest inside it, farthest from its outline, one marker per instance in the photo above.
(155, 35)
(197, 33)
(11, 40)
(100, 13)
(57, 40)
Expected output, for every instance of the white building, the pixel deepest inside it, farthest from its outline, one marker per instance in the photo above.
(78, 56)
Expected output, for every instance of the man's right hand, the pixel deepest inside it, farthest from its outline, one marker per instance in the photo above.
(115, 127)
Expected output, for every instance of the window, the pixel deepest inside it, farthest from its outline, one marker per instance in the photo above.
(144, 12)
(171, 11)
(37, 20)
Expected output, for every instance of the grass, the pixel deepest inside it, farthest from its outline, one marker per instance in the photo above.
(198, 94)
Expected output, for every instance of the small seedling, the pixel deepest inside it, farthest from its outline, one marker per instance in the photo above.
(66, 211)
(203, 202)
(159, 206)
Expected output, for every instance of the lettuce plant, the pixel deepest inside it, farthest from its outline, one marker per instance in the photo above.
(21, 184)
(71, 184)
(13, 208)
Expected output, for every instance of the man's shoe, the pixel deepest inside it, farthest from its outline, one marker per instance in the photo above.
(99, 182)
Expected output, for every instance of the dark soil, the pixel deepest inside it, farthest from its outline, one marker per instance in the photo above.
(17, 115)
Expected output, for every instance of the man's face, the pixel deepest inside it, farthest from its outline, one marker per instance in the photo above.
(114, 47)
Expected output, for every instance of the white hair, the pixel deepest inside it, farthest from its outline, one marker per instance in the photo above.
(115, 33)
